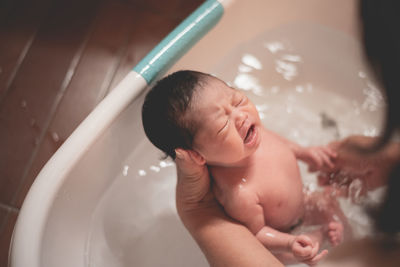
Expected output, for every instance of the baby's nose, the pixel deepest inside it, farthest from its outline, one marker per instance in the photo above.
(240, 119)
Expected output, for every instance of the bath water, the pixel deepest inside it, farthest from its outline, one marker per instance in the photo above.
(309, 85)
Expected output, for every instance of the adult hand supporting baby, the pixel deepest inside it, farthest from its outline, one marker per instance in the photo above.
(354, 162)
(223, 241)
(193, 187)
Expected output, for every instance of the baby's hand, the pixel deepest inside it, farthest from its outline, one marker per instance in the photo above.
(318, 157)
(304, 250)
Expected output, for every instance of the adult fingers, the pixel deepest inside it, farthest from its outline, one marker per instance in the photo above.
(186, 166)
(330, 151)
(318, 162)
(327, 160)
(335, 145)
(193, 181)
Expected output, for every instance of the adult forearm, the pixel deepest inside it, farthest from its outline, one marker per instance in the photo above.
(225, 242)
(286, 258)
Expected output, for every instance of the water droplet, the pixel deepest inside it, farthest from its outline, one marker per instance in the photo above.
(125, 170)
(244, 180)
(274, 47)
(154, 168)
(164, 164)
(142, 172)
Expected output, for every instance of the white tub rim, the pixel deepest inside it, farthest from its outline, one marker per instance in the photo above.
(25, 246)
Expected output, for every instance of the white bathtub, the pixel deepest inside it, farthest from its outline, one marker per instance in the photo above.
(105, 198)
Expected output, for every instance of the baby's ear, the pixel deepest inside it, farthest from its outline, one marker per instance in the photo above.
(196, 157)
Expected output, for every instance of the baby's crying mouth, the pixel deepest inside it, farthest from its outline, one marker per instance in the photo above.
(249, 133)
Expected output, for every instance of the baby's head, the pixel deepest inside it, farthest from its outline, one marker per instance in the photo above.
(165, 110)
(201, 114)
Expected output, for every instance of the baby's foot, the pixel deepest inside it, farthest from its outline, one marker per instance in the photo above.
(335, 233)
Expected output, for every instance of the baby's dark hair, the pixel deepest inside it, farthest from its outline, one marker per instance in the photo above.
(164, 109)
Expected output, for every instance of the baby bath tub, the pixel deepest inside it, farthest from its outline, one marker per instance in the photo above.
(106, 199)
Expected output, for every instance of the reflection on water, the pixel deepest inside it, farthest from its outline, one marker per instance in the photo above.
(125, 170)
(161, 164)
(308, 84)
(251, 61)
(302, 87)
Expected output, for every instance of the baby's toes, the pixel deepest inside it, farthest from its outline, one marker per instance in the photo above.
(333, 238)
(335, 233)
(336, 226)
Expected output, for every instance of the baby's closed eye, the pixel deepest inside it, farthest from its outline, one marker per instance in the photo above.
(238, 99)
(224, 126)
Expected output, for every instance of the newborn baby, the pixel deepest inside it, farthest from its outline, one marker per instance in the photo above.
(255, 172)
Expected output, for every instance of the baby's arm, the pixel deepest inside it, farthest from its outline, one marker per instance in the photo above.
(245, 207)
(317, 157)
(290, 248)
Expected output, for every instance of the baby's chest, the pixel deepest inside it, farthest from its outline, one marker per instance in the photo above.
(268, 188)
(279, 194)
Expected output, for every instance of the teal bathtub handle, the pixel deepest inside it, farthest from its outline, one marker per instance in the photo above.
(180, 40)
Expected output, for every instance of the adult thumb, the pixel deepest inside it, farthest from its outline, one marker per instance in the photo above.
(193, 179)
(187, 168)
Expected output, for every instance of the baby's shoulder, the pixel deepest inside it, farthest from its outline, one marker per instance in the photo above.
(238, 193)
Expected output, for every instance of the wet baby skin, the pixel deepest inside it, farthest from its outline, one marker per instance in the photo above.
(255, 173)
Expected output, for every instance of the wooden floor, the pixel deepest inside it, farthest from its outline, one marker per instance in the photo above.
(58, 59)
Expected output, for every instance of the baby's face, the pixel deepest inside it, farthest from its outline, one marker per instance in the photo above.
(229, 124)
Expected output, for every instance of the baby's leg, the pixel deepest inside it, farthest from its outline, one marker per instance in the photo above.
(335, 232)
(323, 209)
